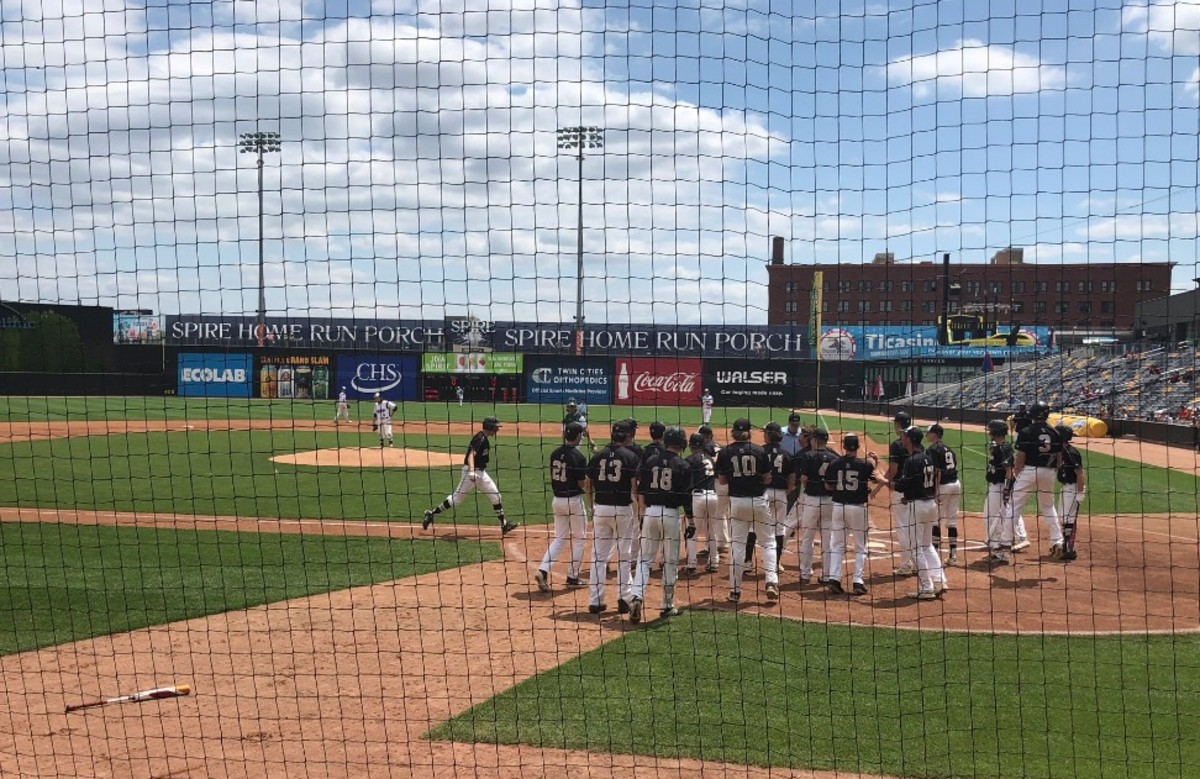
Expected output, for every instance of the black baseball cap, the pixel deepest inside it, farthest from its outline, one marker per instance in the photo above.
(793, 417)
(821, 433)
(936, 429)
(572, 430)
(696, 441)
(741, 425)
(491, 423)
(914, 434)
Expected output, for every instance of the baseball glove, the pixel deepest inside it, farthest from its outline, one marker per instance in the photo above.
(690, 532)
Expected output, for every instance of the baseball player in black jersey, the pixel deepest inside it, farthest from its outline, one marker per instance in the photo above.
(901, 516)
(649, 451)
(918, 483)
(568, 477)
(665, 482)
(743, 467)
(996, 509)
(816, 506)
(949, 491)
(711, 449)
(1034, 467)
(704, 506)
(848, 482)
(611, 485)
(1074, 486)
(1021, 419)
(475, 477)
(783, 481)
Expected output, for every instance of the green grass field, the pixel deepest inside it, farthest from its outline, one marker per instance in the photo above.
(767, 692)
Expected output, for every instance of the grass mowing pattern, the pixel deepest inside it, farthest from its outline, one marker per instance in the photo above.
(723, 687)
(65, 583)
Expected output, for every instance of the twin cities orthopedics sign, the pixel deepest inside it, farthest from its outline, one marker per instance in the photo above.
(215, 375)
(556, 380)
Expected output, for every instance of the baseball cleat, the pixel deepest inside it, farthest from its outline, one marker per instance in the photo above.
(702, 553)
(622, 606)
(779, 567)
(734, 596)
(772, 591)
(574, 581)
(835, 586)
(635, 611)
(859, 588)
(711, 568)
(1069, 554)
(940, 588)
(923, 595)
(952, 559)
(425, 523)
(905, 569)
(507, 528)
(543, 581)
(1056, 551)
(998, 557)
(1021, 545)
(689, 571)
(597, 608)
(669, 611)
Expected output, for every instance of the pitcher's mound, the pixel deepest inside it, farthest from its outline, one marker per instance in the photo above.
(369, 457)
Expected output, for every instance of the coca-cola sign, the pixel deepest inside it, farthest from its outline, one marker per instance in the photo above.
(657, 381)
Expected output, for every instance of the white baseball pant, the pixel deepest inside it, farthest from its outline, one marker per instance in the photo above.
(1068, 507)
(816, 516)
(385, 433)
(777, 508)
(660, 529)
(722, 491)
(570, 527)
(902, 521)
(704, 508)
(1042, 481)
(999, 517)
(948, 501)
(475, 480)
(929, 565)
(746, 514)
(848, 520)
(612, 531)
(343, 412)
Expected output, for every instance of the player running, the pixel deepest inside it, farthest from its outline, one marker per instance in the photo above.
(475, 477)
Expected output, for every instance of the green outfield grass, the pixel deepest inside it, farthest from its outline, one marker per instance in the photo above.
(64, 583)
(723, 687)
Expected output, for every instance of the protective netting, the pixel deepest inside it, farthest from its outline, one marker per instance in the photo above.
(356, 360)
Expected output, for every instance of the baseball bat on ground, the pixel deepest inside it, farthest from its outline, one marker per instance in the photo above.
(158, 693)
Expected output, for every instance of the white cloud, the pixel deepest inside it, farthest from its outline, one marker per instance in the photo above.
(1172, 25)
(974, 69)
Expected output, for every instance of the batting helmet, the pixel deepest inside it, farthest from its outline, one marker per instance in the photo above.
(850, 442)
(1064, 432)
(491, 423)
(696, 441)
(572, 431)
(1039, 411)
(657, 429)
(705, 431)
(997, 427)
(675, 438)
(572, 405)
(902, 419)
(774, 431)
(914, 434)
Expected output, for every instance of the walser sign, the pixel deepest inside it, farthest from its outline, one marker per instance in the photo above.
(662, 382)
(751, 383)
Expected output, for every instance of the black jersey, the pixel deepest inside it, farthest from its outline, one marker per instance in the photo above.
(1072, 461)
(897, 454)
(816, 463)
(918, 481)
(652, 449)
(578, 416)
(711, 449)
(482, 447)
(781, 465)
(848, 480)
(1041, 445)
(1000, 459)
(744, 464)
(666, 480)
(1021, 420)
(612, 470)
(704, 473)
(637, 450)
(945, 461)
(568, 467)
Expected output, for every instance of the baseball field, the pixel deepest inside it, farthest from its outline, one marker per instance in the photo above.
(274, 562)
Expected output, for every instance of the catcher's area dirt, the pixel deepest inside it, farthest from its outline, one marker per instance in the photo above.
(345, 684)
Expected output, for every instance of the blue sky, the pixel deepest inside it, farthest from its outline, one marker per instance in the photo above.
(420, 176)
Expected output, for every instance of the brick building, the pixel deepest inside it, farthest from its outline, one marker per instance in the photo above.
(1072, 298)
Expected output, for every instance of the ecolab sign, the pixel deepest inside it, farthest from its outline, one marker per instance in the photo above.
(657, 382)
(215, 375)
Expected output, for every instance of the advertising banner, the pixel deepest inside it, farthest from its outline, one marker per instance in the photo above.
(294, 376)
(660, 382)
(888, 342)
(471, 362)
(752, 382)
(484, 388)
(549, 380)
(136, 327)
(215, 375)
(469, 334)
(362, 375)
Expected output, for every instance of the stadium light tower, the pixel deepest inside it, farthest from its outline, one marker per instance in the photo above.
(260, 144)
(580, 139)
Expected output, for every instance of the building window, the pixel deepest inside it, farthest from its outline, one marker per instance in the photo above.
(843, 306)
(1108, 307)
(1062, 286)
(906, 305)
(1144, 285)
(1039, 306)
(996, 287)
(973, 288)
(1018, 287)
(927, 322)
(885, 306)
(789, 287)
(864, 286)
(1108, 286)
(1085, 307)
(825, 286)
(1018, 308)
(929, 306)
(843, 286)
(1061, 307)
(887, 286)
(931, 286)
(953, 306)
(1040, 287)
(791, 307)
(906, 286)
(905, 322)
(1086, 286)
(864, 306)
(824, 306)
